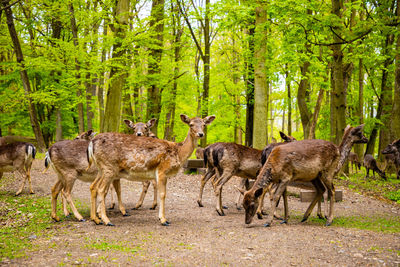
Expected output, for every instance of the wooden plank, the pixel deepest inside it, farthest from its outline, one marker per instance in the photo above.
(308, 196)
(194, 164)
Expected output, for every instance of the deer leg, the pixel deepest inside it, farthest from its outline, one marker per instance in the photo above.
(261, 202)
(286, 206)
(278, 193)
(54, 194)
(93, 198)
(227, 174)
(162, 192)
(239, 195)
(117, 186)
(102, 189)
(145, 187)
(64, 205)
(331, 195)
(367, 173)
(1, 175)
(67, 193)
(112, 198)
(25, 177)
(210, 173)
(28, 173)
(154, 205)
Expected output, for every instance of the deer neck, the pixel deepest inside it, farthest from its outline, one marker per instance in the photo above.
(344, 149)
(187, 147)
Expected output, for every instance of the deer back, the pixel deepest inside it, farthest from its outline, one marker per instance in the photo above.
(16, 155)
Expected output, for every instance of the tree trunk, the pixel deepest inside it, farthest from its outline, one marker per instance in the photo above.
(206, 66)
(395, 123)
(249, 78)
(358, 148)
(260, 130)
(24, 77)
(154, 70)
(118, 75)
(302, 96)
(289, 99)
(59, 136)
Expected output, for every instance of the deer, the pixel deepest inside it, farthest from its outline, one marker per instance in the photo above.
(17, 157)
(229, 159)
(392, 154)
(140, 159)
(199, 153)
(370, 164)
(354, 162)
(312, 160)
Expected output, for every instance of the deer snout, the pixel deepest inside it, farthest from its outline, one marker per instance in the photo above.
(200, 134)
(139, 134)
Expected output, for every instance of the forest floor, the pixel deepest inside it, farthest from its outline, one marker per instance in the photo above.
(365, 231)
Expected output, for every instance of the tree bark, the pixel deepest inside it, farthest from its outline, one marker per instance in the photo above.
(118, 75)
(249, 78)
(260, 122)
(395, 123)
(358, 148)
(154, 70)
(302, 97)
(289, 99)
(24, 77)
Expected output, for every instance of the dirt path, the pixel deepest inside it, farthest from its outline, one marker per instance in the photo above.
(198, 236)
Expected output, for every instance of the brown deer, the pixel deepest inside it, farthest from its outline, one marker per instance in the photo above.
(355, 162)
(315, 161)
(229, 159)
(370, 164)
(392, 154)
(140, 159)
(199, 153)
(17, 156)
(69, 160)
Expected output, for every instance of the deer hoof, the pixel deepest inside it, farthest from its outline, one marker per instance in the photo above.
(328, 223)
(320, 216)
(220, 212)
(225, 207)
(67, 216)
(166, 223)
(267, 225)
(153, 208)
(135, 208)
(259, 216)
(238, 208)
(82, 220)
(126, 214)
(199, 203)
(304, 219)
(56, 219)
(110, 224)
(283, 222)
(111, 208)
(31, 192)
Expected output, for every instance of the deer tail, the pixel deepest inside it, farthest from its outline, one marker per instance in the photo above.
(47, 161)
(90, 157)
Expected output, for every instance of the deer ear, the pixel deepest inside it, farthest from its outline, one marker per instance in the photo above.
(209, 119)
(151, 122)
(241, 190)
(129, 123)
(185, 118)
(358, 128)
(347, 128)
(258, 192)
(89, 133)
(284, 137)
(397, 143)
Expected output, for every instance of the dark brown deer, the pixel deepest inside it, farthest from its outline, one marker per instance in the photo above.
(392, 154)
(355, 162)
(229, 159)
(69, 160)
(140, 159)
(18, 157)
(370, 164)
(315, 161)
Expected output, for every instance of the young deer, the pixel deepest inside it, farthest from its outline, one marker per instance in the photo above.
(392, 153)
(139, 159)
(17, 157)
(370, 164)
(69, 160)
(231, 159)
(143, 129)
(354, 162)
(315, 161)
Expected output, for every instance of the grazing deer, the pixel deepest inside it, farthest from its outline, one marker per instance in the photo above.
(17, 156)
(315, 161)
(69, 160)
(231, 159)
(392, 154)
(140, 159)
(370, 164)
(354, 162)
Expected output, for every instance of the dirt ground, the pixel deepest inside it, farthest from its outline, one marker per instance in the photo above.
(198, 236)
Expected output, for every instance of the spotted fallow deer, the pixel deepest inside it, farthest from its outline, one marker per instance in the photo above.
(392, 154)
(140, 159)
(17, 156)
(316, 161)
(69, 160)
(354, 162)
(370, 164)
(229, 159)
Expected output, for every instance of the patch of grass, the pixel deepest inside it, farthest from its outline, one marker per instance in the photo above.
(376, 223)
(113, 246)
(379, 188)
(22, 219)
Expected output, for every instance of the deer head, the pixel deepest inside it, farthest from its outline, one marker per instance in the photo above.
(140, 128)
(197, 125)
(287, 138)
(86, 135)
(354, 135)
(392, 148)
(251, 203)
